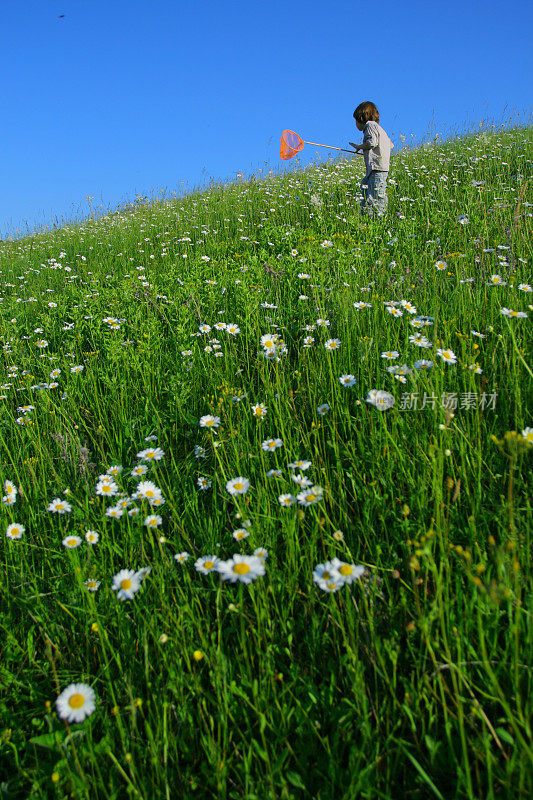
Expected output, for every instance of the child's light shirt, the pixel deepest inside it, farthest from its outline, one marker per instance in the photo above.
(379, 156)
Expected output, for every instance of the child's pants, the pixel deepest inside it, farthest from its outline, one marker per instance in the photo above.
(374, 189)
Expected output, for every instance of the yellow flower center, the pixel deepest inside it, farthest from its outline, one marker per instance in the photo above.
(310, 497)
(326, 575)
(125, 584)
(76, 700)
(149, 493)
(241, 569)
(209, 564)
(71, 542)
(345, 569)
(238, 486)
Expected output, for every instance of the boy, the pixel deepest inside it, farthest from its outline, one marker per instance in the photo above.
(376, 149)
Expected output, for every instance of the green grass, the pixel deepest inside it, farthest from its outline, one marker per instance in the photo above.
(413, 681)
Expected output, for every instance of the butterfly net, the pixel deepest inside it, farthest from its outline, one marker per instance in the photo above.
(291, 144)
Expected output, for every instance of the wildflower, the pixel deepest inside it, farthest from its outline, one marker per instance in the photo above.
(259, 410)
(463, 219)
(146, 490)
(286, 500)
(92, 537)
(10, 489)
(77, 369)
(495, 280)
(270, 445)
(323, 409)
(525, 287)
(269, 341)
(92, 585)
(204, 483)
(232, 329)
(476, 369)
(507, 312)
(349, 572)
(420, 340)
(59, 506)
(478, 334)
(153, 521)
(114, 512)
(139, 470)
(151, 454)
(199, 452)
(338, 536)
(238, 485)
(527, 433)
(311, 496)
(323, 323)
(447, 355)
(241, 568)
(301, 480)
(206, 564)
(379, 399)
(15, 531)
(332, 344)
(347, 380)
(209, 422)
(274, 473)
(441, 265)
(261, 553)
(390, 355)
(240, 533)
(204, 328)
(76, 702)
(181, 558)
(116, 469)
(126, 584)
(423, 364)
(395, 312)
(71, 542)
(107, 488)
(143, 572)
(303, 465)
(326, 243)
(327, 577)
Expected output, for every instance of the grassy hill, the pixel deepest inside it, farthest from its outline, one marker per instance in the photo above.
(267, 489)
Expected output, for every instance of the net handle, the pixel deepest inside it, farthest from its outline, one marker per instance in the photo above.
(331, 147)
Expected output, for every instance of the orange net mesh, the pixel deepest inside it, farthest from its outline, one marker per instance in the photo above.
(291, 144)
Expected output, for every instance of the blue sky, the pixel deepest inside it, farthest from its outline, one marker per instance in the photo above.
(123, 98)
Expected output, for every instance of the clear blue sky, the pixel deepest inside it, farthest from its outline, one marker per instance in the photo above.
(123, 98)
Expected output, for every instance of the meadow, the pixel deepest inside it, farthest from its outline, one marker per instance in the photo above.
(266, 478)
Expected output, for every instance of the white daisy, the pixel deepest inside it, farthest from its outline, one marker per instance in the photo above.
(76, 702)
(126, 584)
(206, 564)
(71, 542)
(238, 485)
(241, 568)
(15, 531)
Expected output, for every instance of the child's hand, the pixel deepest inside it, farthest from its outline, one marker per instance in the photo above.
(352, 144)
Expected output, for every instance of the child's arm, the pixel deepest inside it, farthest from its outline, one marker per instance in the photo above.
(361, 147)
